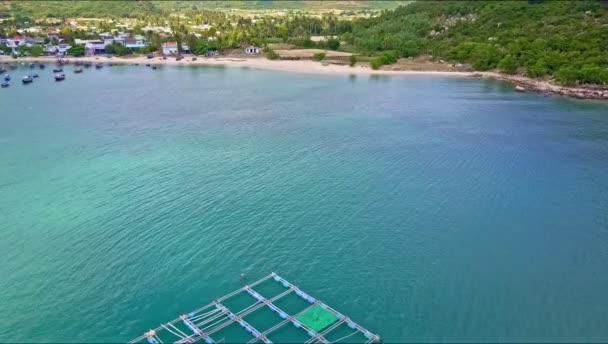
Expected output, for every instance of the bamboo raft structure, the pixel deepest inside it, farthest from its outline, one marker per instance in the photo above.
(206, 321)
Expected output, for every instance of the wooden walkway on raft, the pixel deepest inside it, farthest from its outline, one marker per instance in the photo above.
(206, 321)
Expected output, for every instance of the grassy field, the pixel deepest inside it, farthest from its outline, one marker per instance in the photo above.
(308, 53)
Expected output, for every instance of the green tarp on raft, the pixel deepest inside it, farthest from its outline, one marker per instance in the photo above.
(317, 318)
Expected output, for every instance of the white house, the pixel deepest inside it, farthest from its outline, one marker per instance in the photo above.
(59, 49)
(93, 47)
(252, 50)
(63, 48)
(15, 41)
(169, 48)
(134, 43)
(107, 38)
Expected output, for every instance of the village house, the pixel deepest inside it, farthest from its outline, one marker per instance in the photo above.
(53, 35)
(107, 38)
(15, 42)
(252, 50)
(136, 42)
(94, 47)
(170, 48)
(59, 49)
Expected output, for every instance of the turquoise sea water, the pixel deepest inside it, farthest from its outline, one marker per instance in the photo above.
(426, 208)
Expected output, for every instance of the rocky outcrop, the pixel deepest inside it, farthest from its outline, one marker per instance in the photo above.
(525, 84)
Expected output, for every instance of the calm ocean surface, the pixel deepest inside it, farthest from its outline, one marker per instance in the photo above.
(426, 208)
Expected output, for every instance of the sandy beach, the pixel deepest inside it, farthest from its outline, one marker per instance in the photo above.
(522, 83)
(298, 66)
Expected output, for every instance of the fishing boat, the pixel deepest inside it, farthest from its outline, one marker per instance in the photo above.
(27, 79)
(154, 67)
(7, 77)
(59, 76)
(35, 76)
(87, 64)
(78, 70)
(58, 70)
(2, 70)
(32, 65)
(99, 65)
(41, 66)
(5, 84)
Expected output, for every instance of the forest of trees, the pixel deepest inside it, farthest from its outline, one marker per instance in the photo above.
(567, 40)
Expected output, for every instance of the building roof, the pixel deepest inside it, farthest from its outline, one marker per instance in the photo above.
(170, 44)
(18, 38)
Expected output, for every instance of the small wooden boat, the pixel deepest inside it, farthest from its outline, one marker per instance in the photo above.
(5, 84)
(27, 79)
(154, 67)
(58, 70)
(59, 77)
(194, 59)
(147, 65)
(7, 77)
(35, 76)
(87, 64)
(99, 65)
(78, 70)
(41, 66)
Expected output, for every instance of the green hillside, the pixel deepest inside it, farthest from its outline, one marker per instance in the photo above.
(564, 39)
(134, 8)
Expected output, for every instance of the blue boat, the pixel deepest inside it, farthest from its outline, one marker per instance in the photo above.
(5, 84)
(58, 70)
(34, 75)
(7, 78)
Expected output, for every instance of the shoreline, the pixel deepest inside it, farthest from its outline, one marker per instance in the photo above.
(521, 83)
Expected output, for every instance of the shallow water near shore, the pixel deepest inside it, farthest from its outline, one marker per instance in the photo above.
(425, 208)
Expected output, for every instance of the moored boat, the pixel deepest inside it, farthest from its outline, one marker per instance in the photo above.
(12, 66)
(87, 64)
(99, 65)
(35, 76)
(58, 70)
(59, 76)
(27, 79)
(2, 70)
(32, 65)
(154, 67)
(78, 70)
(5, 84)
(7, 77)
(41, 66)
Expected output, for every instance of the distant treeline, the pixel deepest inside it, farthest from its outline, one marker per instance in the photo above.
(135, 8)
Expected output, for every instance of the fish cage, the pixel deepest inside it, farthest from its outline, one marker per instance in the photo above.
(276, 311)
